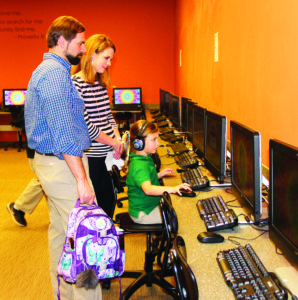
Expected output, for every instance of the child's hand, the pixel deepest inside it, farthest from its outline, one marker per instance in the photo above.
(183, 186)
(166, 172)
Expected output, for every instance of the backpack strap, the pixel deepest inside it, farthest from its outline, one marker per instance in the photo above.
(58, 293)
(120, 297)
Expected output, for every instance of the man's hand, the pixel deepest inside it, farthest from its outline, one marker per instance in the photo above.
(86, 193)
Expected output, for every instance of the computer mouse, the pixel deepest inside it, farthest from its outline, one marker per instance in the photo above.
(187, 193)
(210, 237)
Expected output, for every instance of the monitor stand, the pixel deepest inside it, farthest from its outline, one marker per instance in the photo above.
(225, 184)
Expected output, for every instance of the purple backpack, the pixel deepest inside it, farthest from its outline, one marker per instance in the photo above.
(91, 251)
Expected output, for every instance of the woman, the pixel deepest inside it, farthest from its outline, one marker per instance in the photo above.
(91, 78)
(144, 190)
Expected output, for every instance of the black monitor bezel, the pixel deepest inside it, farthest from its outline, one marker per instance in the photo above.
(189, 132)
(166, 103)
(176, 119)
(161, 100)
(218, 172)
(184, 113)
(9, 106)
(254, 209)
(276, 236)
(202, 112)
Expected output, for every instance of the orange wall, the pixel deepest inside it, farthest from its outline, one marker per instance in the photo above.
(255, 80)
(143, 32)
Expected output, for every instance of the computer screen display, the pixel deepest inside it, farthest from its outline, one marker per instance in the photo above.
(283, 204)
(216, 145)
(14, 97)
(247, 168)
(127, 96)
(199, 130)
(176, 112)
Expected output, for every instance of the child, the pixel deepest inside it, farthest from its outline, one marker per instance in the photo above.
(144, 189)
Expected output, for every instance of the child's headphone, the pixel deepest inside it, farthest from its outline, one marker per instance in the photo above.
(139, 142)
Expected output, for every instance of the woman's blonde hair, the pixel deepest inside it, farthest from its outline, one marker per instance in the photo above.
(95, 44)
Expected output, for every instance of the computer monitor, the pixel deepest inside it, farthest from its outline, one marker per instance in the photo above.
(189, 131)
(283, 204)
(161, 101)
(130, 98)
(216, 145)
(176, 112)
(184, 113)
(166, 103)
(246, 168)
(199, 130)
(14, 97)
(170, 106)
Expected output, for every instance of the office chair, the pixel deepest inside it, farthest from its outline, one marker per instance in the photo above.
(143, 114)
(157, 161)
(123, 120)
(17, 120)
(186, 284)
(119, 184)
(148, 276)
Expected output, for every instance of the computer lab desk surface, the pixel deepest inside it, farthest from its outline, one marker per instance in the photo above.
(202, 257)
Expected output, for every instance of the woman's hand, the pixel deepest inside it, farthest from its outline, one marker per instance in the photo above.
(118, 148)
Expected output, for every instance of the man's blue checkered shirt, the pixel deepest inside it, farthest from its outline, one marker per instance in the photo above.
(54, 110)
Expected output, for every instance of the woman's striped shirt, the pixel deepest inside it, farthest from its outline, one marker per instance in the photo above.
(98, 115)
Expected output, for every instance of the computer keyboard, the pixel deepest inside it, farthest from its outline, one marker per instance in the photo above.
(160, 119)
(195, 179)
(154, 112)
(179, 148)
(246, 275)
(162, 124)
(186, 161)
(172, 137)
(215, 214)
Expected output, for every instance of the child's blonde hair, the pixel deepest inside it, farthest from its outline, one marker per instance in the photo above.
(137, 127)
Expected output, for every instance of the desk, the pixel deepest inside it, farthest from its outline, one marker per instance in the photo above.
(202, 257)
(8, 133)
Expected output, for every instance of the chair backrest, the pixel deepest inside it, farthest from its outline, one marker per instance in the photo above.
(186, 283)
(116, 178)
(143, 113)
(170, 223)
(115, 195)
(168, 214)
(156, 160)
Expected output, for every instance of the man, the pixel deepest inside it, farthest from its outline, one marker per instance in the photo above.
(56, 130)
